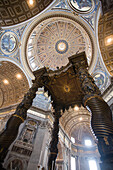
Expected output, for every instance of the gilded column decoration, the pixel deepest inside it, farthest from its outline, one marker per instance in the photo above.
(103, 127)
(87, 84)
(12, 126)
(101, 115)
(54, 142)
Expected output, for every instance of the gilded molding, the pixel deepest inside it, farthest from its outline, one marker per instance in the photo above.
(19, 117)
(52, 153)
(91, 97)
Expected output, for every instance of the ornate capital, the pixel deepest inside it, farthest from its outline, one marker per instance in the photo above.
(78, 61)
(88, 86)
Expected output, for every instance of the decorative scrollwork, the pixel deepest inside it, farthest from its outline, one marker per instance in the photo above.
(87, 82)
(88, 85)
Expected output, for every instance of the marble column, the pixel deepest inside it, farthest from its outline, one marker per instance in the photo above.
(101, 119)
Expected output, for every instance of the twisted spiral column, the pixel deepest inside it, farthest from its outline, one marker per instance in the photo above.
(101, 119)
(54, 142)
(12, 126)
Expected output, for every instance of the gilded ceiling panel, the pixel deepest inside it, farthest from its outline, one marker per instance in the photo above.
(16, 11)
(105, 32)
(13, 84)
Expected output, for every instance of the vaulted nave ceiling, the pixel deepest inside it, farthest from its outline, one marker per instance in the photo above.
(16, 11)
(13, 84)
(105, 33)
(76, 123)
(74, 117)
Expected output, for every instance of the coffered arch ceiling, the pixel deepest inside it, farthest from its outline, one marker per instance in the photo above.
(13, 84)
(75, 118)
(16, 11)
(77, 124)
(105, 34)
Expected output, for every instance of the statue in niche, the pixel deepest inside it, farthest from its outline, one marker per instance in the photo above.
(28, 136)
(15, 165)
(29, 132)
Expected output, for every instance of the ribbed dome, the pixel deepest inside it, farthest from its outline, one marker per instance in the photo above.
(54, 40)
